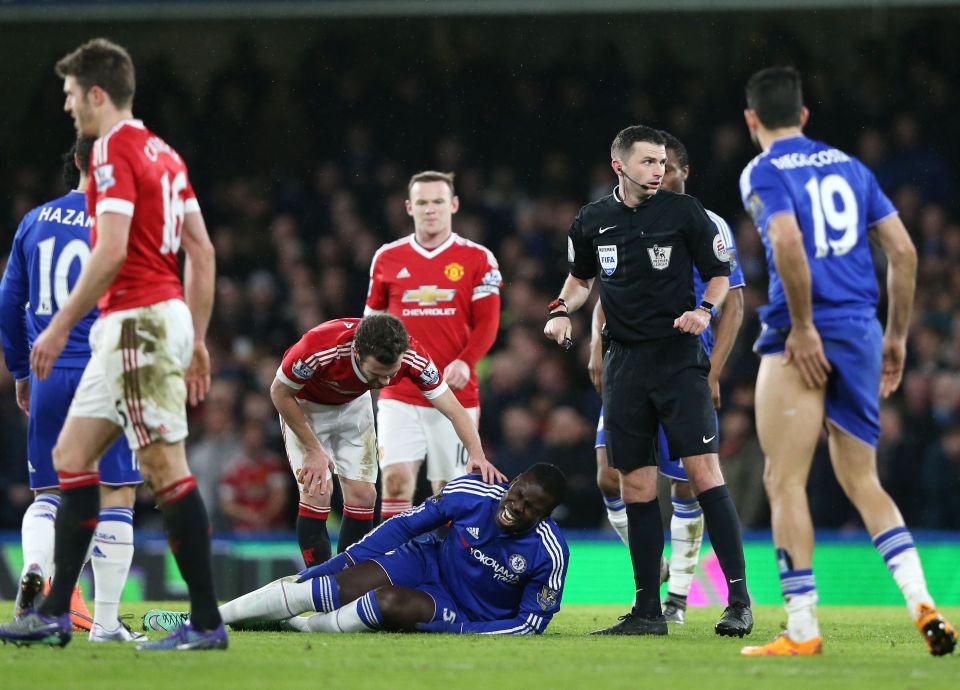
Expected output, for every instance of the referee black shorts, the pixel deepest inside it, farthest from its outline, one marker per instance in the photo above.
(660, 382)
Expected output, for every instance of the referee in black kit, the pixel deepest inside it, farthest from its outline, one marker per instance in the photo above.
(644, 243)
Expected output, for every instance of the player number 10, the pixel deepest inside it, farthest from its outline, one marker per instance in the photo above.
(57, 289)
(173, 209)
(823, 205)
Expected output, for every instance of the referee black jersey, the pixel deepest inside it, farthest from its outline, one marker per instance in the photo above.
(645, 257)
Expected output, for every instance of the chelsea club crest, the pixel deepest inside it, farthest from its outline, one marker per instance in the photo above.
(518, 563)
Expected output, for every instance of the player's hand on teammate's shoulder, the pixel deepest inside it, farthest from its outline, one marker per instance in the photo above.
(894, 354)
(804, 349)
(693, 322)
(47, 348)
(480, 465)
(197, 375)
(457, 374)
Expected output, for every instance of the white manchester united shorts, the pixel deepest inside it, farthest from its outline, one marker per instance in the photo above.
(409, 433)
(135, 374)
(345, 431)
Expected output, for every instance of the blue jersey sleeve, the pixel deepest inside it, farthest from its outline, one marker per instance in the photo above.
(764, 195)
(14, 295)
(726, 234)
(437, 510)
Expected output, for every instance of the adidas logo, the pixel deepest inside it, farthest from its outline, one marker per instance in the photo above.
(404, 273)
(474, 532)
(97, 553)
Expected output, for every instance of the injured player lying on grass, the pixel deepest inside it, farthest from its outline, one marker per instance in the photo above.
(499, 570)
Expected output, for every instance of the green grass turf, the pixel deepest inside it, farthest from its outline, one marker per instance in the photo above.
(866, 647)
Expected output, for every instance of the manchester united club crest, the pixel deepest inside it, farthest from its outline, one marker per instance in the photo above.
(453, 271)
(659, 256)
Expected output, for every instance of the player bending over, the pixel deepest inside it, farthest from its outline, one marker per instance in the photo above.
(500, 570)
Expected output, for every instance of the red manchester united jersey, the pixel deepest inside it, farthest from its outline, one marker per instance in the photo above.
(434, 293)
(135, 173)
(323, 368)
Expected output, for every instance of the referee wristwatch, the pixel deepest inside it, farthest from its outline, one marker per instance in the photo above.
(707, 307)
(554, 306)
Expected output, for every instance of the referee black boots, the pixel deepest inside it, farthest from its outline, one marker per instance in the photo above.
(635, 624)
(736, 621)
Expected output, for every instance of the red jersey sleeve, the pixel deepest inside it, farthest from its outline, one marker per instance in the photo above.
(423, 372)
(114, 175)
(378, 295)
(299, 364)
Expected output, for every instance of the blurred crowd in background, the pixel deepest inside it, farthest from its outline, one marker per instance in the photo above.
(302, 176)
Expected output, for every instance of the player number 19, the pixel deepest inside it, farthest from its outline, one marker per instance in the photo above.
(823, 205)
(173, 209)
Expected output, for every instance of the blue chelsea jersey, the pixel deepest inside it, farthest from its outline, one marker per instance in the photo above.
(736, 273)
(49, 250)
(511, 581)
(835, 199)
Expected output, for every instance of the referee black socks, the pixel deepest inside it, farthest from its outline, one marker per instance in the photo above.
(645, 538)
(723, 526)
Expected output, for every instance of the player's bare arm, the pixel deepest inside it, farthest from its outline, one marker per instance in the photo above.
(199, 274)
(106, 259)
(595, 365)
(803, 349)
(696, 320)
(316, 461)
(463, 424)
(726, 325)
(574, 293)
(893, 239)
(23, 395)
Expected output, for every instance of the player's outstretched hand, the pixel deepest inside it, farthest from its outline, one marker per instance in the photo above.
(482, 466)
(694, 322)
(331, 566)
(314, 475)
(197, 375)
(46, 348)
(804, 349)
(894, 353)
(457, 374)
(23, 395)
(440, 626)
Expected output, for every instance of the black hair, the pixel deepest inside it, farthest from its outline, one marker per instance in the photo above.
(628, 136)
(78, 153)
(675, 145)
(775, 94)
(551, 479)
(381, 336)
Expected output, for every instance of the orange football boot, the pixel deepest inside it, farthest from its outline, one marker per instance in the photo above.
(784, 646)
(79, 613)
(940, 636)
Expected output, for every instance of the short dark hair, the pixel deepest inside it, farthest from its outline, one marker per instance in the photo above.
(628, 136)
(675, 145)
(79, 153)
(551, 478)
(101, 63)
(381, 336)
(775, 94)
(432, 176)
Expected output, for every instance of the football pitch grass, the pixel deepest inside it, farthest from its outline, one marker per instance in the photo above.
(865, 647)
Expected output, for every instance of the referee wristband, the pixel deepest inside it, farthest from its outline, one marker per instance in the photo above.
(707, 307)
(557, 314)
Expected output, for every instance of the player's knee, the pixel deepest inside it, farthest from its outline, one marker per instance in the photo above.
(681, 490)
(66, 461)
(608, 481)
(397, 482)
(394, 608)
(360, 494)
